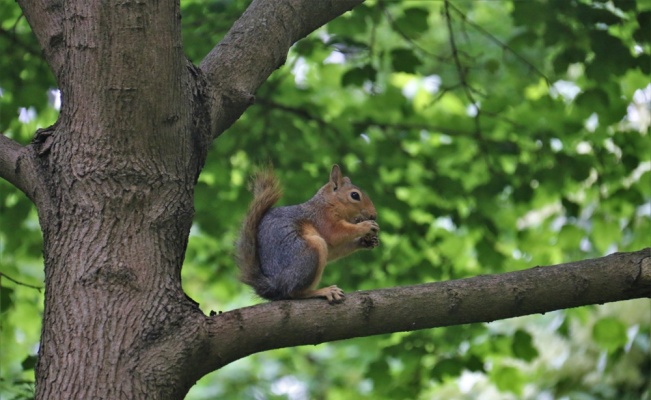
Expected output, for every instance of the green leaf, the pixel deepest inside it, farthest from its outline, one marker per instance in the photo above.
(448, 367)
(641, 34)
(413, 22)
(6, 298)
(609, 333)
(605, 233)
(570, 236)
(527, 13)
(492, 65)
(508, 379)
(594, 15)
(568, 56)
(626, 5)
(348, 25)
(523, 346)
(29, 362)
(404, 60)
(643, 62)
(612, 56)
(593, 100)
(571, 208)
(357, 76)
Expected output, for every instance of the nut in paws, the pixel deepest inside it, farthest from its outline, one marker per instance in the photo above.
(370, 241)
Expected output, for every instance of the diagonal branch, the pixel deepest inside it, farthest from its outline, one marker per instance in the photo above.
(505, 47)
(17, 42)
(461, 70)
(467, 88)
(17, 282)
(18, 168)
(236, 334)
(406, 37)
(256, 45)
(361, 124)
(46, 19)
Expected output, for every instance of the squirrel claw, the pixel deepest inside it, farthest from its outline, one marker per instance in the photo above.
(333, 294)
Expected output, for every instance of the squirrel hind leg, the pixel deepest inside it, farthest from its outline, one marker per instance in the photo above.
(332, 293)
(318, 249)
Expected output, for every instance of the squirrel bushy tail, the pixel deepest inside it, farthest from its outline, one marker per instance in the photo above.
(266, 192)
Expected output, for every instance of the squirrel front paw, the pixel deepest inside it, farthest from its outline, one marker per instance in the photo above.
(369, 241)
(370, 226)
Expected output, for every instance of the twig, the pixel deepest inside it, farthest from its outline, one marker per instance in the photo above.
(13, 37)
(367, 123)
(406, 37)
(455, 56)
(408, 126)
(495, 40)
(468, 90)
(39, 288)
(301, 112)
(15, 25)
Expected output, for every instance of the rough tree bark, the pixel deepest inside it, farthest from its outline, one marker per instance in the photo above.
(113, 183)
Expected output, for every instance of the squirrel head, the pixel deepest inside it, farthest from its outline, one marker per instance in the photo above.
(347, 200)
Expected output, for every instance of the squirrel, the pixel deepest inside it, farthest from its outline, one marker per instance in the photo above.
(282, 252)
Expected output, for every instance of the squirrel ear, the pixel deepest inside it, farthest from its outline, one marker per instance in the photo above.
(336, 177)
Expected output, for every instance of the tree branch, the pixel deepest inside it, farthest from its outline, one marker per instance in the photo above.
(406, 37)
(17, 282)
(46, 19)
(620, 276)
(17, 167)
(498, 42)
(467, 88)
(14, 39)
(364, 124)
(255, 46)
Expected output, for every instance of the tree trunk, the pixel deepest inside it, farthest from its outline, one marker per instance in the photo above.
(118, 173)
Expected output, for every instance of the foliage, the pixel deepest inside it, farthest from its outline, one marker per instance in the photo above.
(492, 136)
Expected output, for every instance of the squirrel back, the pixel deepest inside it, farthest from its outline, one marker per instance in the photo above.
(282, 251)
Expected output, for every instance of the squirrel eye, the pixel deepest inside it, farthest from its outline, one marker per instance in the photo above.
(355, 196)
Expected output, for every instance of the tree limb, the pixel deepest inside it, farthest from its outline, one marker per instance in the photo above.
(14, 39)
(46, 18)
(17, 282)
(502, 45)
(17, 166)
(256, 45)
(619, 276)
